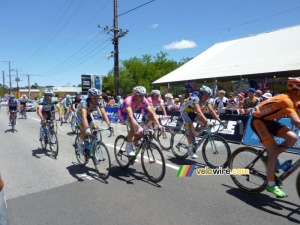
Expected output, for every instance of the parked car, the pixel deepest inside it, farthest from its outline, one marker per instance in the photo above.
(31, 105)
(3, 102)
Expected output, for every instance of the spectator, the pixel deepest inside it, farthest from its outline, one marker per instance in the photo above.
(169, 99)
(120, 100)
(220, 102)
(176, 106)
(258, 94)
(250, 102)
(240, 103)
(266, 96)
(181, 99)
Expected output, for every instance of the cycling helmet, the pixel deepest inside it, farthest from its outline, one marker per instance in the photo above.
(24, 96)
(139, 91)
(206, 90)
(119, 97)
(78, 93)
(155, 92)
(48, 92)
(94, 92)
(293, 83)
(11, 96)
(68, 96)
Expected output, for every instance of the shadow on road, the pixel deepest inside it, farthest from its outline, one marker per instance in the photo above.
(11, 130)
(129, 175)
(80, 173)
(186, 161)
(40, 152)
(268, 204)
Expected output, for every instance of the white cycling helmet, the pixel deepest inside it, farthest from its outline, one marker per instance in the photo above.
(155, 92)
(48, 92)
(68, 96)
(140, 91)
(94, 92)
(206, 90)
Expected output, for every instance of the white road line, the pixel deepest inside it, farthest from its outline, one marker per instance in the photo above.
(167, 164)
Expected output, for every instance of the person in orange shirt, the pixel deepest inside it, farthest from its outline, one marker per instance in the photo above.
(264, 124)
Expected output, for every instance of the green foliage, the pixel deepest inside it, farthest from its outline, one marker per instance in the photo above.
(140, 72)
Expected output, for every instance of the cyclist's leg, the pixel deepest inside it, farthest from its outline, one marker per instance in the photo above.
(265, 130)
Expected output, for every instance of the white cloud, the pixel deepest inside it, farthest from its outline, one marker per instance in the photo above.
(183, 44)
(154, 26)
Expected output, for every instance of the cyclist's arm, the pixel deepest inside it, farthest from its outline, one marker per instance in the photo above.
(39, 112)
(213, 112)
(295, 120)
(84, 118)
(73, 106)
(59, 110)
(131, 118)
(102, 112)
(163, 108)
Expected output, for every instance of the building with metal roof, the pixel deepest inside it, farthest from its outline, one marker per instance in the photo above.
(274, 53)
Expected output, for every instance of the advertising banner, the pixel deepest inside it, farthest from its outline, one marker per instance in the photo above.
(86, 83)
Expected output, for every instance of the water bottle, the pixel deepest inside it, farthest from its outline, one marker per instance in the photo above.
(87, 144)
(46, 132)
(277, 165)
(286, 165)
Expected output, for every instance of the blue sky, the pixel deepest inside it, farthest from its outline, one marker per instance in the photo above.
(56, 41)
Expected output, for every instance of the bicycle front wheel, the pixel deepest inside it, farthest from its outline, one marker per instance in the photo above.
(74, 127)
(216, 152)
(53, 143)
(243, 158)
(180, 148)
(101, 160)
(153, 163)
(120, 152)
(164, 138)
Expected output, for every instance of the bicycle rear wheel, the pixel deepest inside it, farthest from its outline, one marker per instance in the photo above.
(44, 142)
(164, 138)
(298, 184)
(153, 163)
(101, 160)
(81, 158)
(216, 152)
(53, 143)
(180, 147)
(120, 152)
(256, 180)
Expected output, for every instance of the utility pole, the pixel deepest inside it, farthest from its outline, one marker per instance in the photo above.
(28, 86)
(117, 33)
(9, 74)
(3, 83)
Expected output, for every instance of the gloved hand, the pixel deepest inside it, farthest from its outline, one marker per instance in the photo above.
(209, 124)
(140, 131)
(160, 127)
(88, 131)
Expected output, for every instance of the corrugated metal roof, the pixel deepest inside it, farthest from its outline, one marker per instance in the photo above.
(268, 52)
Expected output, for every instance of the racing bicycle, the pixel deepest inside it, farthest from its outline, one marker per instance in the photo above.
(215, 149)
(96, 150)
(49, 137)
(255, 160)
(152, 159)
(23, 112)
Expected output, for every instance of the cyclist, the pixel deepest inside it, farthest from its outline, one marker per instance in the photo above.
(46, 108)
(155, 102)
(12, 105)
(264, 124)
(84, 117)
(207, 102)
(67, 102)
(23, 101)
(191, 112)
(76, 101)
(126, 115)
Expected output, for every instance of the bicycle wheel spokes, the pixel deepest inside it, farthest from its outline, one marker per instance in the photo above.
(164, 138)
(81, 158)
(102, 160)
(53, 143)
(120, 152)
(256, 181)
(180, 146)
(153, 163)
(216, 152)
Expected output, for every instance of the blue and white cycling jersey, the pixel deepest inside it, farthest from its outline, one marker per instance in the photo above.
(66, 102)
(47, 106)
(12, 105)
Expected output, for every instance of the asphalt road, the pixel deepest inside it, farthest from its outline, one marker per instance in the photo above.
(42, 190)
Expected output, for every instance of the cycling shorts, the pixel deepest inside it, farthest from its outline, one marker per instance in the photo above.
(124, 119)
(267, 129)
(189, 118)
(90, 119)
(12, 108)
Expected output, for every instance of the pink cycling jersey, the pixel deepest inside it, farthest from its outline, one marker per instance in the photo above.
(129, 102)
(155, 103)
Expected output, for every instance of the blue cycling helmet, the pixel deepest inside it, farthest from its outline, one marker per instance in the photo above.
(11, 96)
